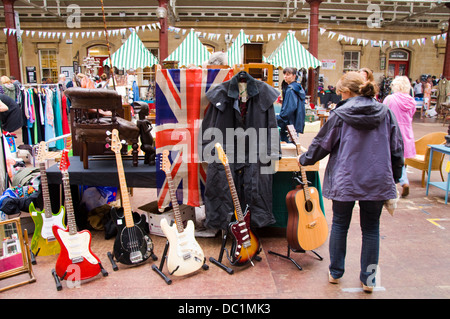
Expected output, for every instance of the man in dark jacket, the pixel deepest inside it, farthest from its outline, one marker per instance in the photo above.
(293, 108)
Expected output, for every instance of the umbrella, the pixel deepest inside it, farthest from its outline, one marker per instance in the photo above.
(132, 55)
(291, 53)
(190, 51)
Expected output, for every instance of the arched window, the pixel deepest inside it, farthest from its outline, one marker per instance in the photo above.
(100, 53)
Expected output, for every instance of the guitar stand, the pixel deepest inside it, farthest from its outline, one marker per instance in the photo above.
(288, 256)
(58, 280)
(218, 262)
(116, 268)
(113, 263)
(159, 271)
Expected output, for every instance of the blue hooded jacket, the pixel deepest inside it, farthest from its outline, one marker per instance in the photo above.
(365, 149)
(293, 110)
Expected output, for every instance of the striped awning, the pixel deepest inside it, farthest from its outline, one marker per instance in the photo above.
(132, 55)
(291, 53)
(234, 53)
(190, 52)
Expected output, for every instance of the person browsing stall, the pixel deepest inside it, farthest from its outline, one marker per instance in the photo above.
(10, 114)
(365, 149)
(293, 107)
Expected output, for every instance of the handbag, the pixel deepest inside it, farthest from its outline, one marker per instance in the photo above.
(391, 204)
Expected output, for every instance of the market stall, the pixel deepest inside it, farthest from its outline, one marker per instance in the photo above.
(291, 53)
(191, 52)
(132, 56)
(234, 52)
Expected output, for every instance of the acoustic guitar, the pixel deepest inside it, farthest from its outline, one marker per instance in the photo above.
(307, 228)
(43, 242)
(246, 245)
(76, 260)
(133, 244)
(185, 254)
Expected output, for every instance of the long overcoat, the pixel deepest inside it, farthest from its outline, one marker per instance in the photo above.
(250, 142)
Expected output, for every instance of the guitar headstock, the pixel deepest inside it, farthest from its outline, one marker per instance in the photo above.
(116, 143)
(64, 163)
(165, 163)
(221, 154)
(42, 152)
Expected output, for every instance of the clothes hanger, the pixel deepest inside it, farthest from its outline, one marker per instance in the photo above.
(242, 76)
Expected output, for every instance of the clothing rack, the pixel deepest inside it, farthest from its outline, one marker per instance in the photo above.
(58, 124)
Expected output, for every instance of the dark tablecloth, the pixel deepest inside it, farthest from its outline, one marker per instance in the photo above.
(103, 172)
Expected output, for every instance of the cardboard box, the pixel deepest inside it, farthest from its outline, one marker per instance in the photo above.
(154, 217)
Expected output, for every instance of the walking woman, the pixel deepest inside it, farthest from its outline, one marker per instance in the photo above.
(365, 149)
(403, 106)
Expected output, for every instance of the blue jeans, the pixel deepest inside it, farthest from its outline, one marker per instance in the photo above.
(370, 212)
(404, 179)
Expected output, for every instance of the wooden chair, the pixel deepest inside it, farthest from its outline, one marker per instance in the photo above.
(422, 158)
(89, 126)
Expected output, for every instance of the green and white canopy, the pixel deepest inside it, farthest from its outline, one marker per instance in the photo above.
(190, 51)
(132, 55)
(291, 53)
(234, 53)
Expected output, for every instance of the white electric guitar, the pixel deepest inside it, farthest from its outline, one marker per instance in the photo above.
(185, 255)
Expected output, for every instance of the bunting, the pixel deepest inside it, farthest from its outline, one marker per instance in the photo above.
(331, 35)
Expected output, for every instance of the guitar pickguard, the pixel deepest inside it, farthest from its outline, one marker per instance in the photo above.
(77, 246)
(48, 223)
(245, 244)
(185, 254)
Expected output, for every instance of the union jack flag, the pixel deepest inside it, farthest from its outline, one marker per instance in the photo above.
(181, 104)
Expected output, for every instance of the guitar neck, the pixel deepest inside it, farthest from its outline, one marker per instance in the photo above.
(237, 205)
(175, 206)
(45, 192)
(304, 178)
(294, 138)
(124, 192)
(71, 223)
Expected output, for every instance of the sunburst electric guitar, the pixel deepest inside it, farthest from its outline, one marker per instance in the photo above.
(76, 260)
(132, 245)
(43, 242)
(185, 254)
(246, 245)
(307, 227)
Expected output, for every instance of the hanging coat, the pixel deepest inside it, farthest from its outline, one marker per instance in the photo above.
(49, 118)
(58, 118)
(249, 156)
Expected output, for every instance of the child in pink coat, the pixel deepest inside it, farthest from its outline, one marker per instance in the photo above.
(403, 106)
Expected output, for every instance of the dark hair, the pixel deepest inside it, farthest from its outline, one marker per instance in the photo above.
(368, 89)
(290, 70)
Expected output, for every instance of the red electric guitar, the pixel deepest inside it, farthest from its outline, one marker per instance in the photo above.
(76, 261)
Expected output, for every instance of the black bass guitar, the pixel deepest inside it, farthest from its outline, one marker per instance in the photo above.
(133, 244)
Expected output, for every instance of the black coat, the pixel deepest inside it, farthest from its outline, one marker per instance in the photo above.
(11, 120)
(250, 156)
